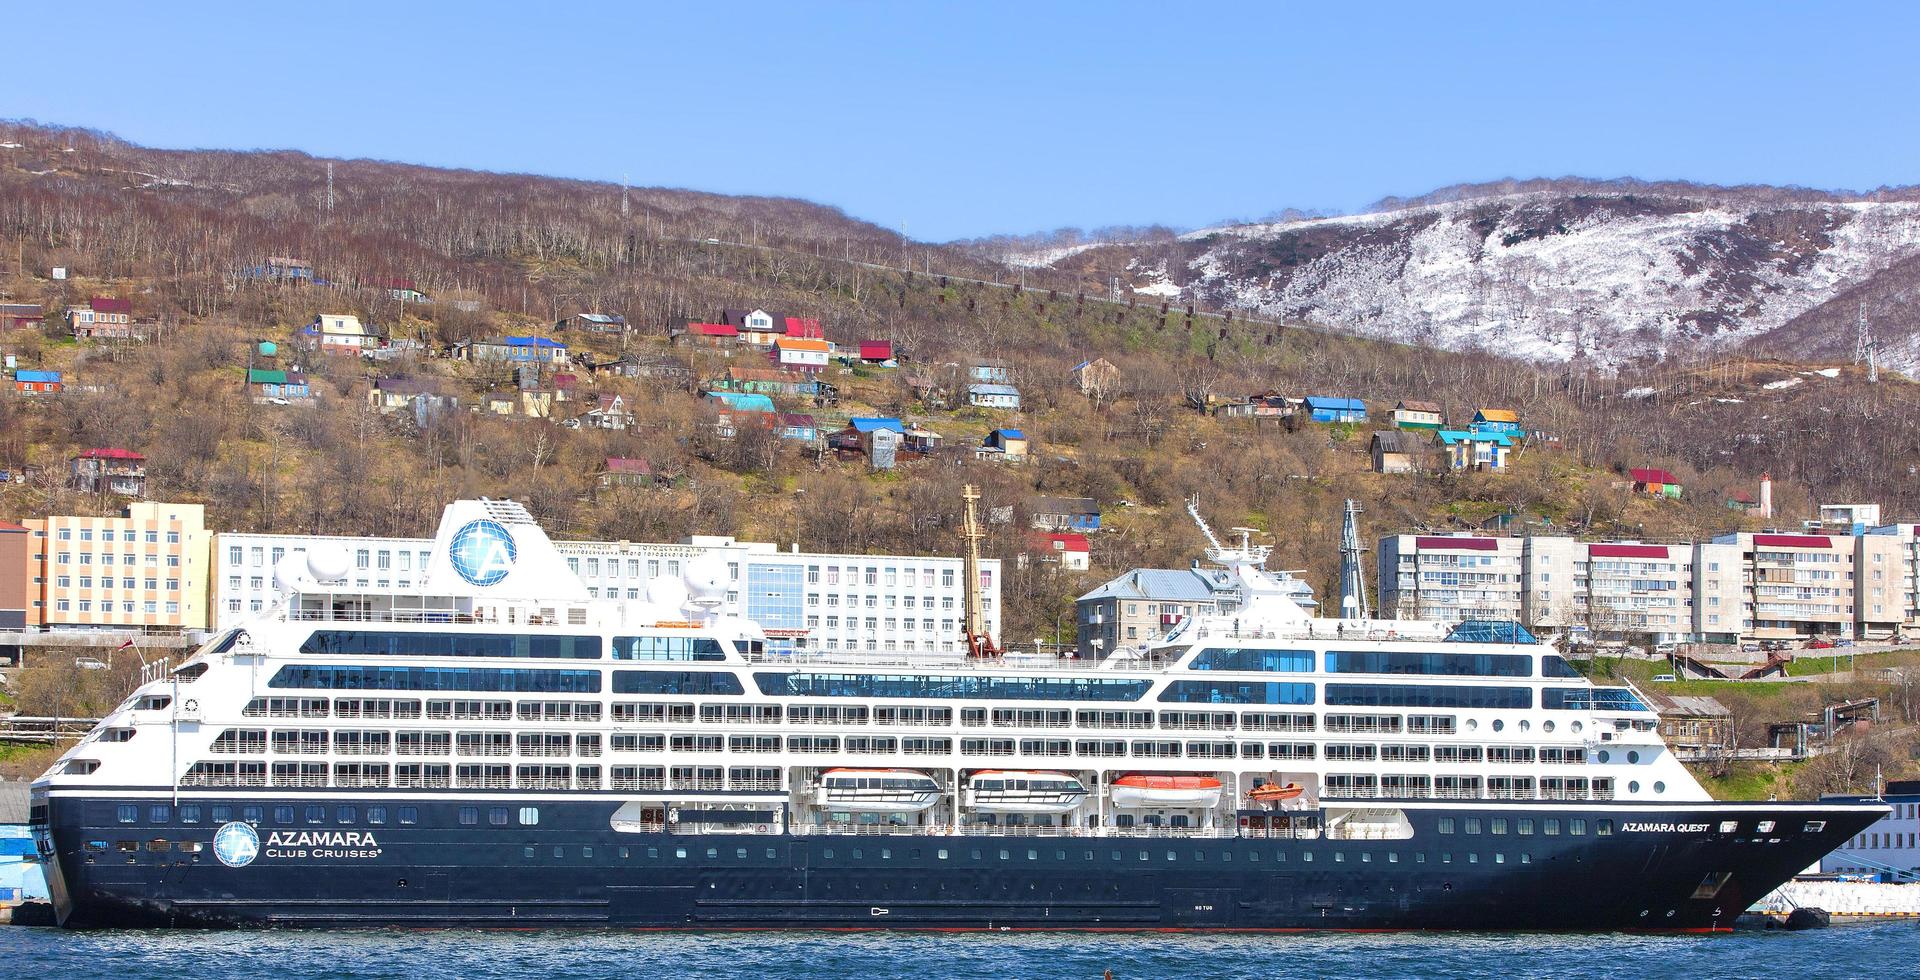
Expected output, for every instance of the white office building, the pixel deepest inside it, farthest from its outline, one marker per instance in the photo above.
(813, 601)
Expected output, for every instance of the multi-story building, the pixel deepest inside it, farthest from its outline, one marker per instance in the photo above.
(1892, 844)
(19, 577)
(1144, 604)
(1795, 586)
(1906, 556)
(1719, 583)
(144, 569)
(802, 599)
(1634, 588)
(1450, 577)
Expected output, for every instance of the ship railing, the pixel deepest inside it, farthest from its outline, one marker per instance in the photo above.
(698, 785)
(1281, 833)
(545, 782)
(299, 779)
(358, 782)
(1018, 723)
(870, 830)
(297, 749)
(545, 751)
(1199, 726)
(947, 662)
(639, 785)
(484, 750)
(422, 782)
(483, 782)
(359, 750)
(921, 750)
(1168, 833)
(223, 779)
(757, 785)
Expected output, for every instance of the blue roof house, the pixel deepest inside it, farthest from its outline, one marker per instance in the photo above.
(742, 402)
(1321, 408)
(1475, 450)
(865, 425)
(993, 396)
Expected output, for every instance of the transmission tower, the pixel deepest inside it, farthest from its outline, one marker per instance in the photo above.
(329, 186)
(625, 210)
(1864, 347)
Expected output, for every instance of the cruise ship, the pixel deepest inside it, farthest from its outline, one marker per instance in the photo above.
(504, 750)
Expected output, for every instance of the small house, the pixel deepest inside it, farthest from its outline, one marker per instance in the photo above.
(1497, 420)
(765, 381)
(741, 401)
(278, 386)
(1070, 551)
(805, 328)
(1097, 378)
(920, 439)
(104, 318)
(993, 396)
(1743, 502)
(878, 439)
(1393, 452)
(1322, 408)
(804, 354)
(1064, 514)
(1473, 450)
(21, 316)
(1267, 406)
(991, 372)
(798, 427)
(280, 268)
(1005, 444)
(37, 382)
(624, 471)
(757, 327)
(877, 352)
(708, 335)
(604, 324)
(339, 333)
(539, 351)
(609, 412)
(403, 289)
(120, 471)
(1420, 416)
(1656, 483)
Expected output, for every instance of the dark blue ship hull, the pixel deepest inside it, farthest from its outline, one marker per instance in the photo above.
(1672, 867)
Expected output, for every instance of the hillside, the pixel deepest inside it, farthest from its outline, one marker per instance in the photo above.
(1613, 274)
(494, 255)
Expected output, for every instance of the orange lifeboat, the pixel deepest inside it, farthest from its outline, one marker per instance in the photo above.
(1275, 793)
(1143, 790)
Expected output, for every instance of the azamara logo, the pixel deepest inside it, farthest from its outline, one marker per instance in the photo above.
(321, 838)
(1664, 828)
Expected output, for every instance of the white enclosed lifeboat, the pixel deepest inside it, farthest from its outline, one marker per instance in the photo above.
(1143, 791)
(876, 790)
(1022, 791)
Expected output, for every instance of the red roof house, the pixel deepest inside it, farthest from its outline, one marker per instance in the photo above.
(876, 350)
(1656, 482)
(807, 327)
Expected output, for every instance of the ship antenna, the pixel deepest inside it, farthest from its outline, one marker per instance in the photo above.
(1220, 554)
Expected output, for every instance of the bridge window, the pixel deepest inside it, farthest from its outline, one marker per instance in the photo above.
(1238, 692)
(1456, 664)
(675, 682)
(667, 648)
(496, 679)
(1428, 696)
(1241, 658)
(377, 643)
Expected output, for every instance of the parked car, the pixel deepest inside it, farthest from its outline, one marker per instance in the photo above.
(1843, 642)
(88, 663)
(1820, 645)
(1664, 678)
(1749, 648)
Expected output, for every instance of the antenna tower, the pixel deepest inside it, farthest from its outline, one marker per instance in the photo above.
(625, 209)
(1222, 554)
(329, 186)
(1353, 578)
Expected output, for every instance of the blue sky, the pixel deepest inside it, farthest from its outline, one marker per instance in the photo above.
(960, 120)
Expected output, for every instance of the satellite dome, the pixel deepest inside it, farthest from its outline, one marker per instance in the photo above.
(328, 562)
(290, 572)
(706, 577)
(667, 593)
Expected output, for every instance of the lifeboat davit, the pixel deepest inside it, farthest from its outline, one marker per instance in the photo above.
(1275, 793)
(1020, 791)
(876, 790)
(1142, 791)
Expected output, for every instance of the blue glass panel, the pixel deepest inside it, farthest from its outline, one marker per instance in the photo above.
(1427, 696)
(504, 680)
(1556, 666)
(676, 682)
(1241, 658)
(1238, 692)
(398, 644)
(1457, 664)
(1490, 631)
(1591, 699)
(667, 648)
(939, 686)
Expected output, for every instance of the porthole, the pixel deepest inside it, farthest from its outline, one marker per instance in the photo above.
(1526, 726)
(1547, 726)
(1633, 758)
(1634, 786)
(1577, 727)
(1499, 725)
(1605, 756)
(1659, 787)
(1473, 724)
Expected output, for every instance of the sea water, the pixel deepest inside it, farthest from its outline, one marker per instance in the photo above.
(1890, 950)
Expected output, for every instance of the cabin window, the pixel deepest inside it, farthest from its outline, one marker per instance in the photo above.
(129, 813)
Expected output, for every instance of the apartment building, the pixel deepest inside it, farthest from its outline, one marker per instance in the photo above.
(19, 577)
(1452, 577)
(144, 569)
(1631, 587)
(1796, 586)
(1719, 583)
(804, 600)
